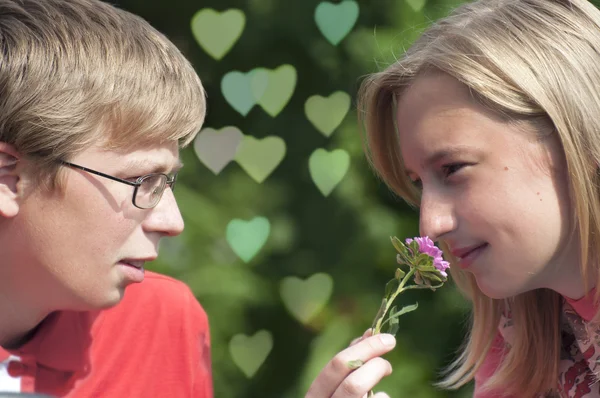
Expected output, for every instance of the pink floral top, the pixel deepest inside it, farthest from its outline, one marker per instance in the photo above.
(579, 362)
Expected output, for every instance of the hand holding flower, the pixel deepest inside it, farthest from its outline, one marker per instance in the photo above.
(353, 372)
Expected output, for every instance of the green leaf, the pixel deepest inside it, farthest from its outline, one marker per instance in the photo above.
(394, 326)
(399, 274)
(403, 259)
(404, 310)
(400, 247)
(380, 313)
(394, 323)
(427, 268)
(424, 260)
(391, 287)
(432, 276)
(355, 364)
(393, 311)
(436, 286)
(394, 315)
(414, 247)
(418, 279)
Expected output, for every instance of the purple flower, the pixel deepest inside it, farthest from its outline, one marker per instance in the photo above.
(427, 246)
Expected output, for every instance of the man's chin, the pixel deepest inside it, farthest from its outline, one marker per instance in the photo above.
(108, 301)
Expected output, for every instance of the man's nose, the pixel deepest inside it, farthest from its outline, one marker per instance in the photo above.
(166, 217)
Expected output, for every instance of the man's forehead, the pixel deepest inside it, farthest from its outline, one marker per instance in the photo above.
(158, 157)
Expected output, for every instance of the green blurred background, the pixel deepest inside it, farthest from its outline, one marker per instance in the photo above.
(344, 235)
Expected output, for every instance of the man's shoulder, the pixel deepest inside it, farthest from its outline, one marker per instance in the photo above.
(158, 284)
(158, 297)
(159, 338)
(157, 287)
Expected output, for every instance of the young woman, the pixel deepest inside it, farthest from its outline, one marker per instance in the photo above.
(490, 125)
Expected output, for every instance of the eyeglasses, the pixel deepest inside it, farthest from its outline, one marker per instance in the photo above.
(148, 189)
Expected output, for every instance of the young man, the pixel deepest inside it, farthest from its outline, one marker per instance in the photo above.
(94, 106)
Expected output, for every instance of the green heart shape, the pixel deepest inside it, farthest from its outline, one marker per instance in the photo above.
(249, 353)
(416, 5)
(327, 169)
(304, 299)
(326, 114)
(246, 238)
(259, 82)
(260, 157)
(217, 32)
(335, 21)
(216, 148)
(279, 90)
(237, 90)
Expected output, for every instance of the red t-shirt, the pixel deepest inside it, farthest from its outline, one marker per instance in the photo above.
(155, 343)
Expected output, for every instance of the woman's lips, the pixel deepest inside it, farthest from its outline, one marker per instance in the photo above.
(469, 256)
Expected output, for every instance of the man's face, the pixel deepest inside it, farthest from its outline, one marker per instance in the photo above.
(80, 248)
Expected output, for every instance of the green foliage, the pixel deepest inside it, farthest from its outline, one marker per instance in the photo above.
(344, 234)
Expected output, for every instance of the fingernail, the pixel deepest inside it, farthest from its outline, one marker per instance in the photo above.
(387, 339)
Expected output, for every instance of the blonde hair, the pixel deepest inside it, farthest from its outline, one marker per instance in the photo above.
(77, 72)
(535, 62)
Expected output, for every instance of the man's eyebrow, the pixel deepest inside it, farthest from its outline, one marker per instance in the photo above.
(178, 166)
(442, 154)
(137, 164)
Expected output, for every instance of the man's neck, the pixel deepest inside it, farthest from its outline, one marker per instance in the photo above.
(17, 325)
(21, 339)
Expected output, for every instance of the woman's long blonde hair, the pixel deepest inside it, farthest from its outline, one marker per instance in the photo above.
(536, 61)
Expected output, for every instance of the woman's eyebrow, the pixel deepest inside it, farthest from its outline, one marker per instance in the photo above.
(442, 154)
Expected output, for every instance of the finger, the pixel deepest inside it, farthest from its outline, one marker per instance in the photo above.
(363, 380)
(366, 334)
(336, 370)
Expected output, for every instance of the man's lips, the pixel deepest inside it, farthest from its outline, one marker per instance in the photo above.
(133, 264)
(136, 262)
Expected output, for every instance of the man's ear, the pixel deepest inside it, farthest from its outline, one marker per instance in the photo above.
(9, 178)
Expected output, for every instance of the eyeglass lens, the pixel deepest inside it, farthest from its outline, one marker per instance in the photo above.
(150, 191)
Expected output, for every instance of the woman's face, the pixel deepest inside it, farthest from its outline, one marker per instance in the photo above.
(495, 193)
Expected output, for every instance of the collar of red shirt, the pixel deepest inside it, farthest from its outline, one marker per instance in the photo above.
(62, 341)
(586, 306)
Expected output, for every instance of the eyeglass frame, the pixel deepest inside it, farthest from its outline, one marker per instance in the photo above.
(170, 181)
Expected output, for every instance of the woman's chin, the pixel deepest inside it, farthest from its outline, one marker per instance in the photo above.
(495, 290)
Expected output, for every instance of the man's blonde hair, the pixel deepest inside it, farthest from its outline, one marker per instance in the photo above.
(76, 72)
(530, 61)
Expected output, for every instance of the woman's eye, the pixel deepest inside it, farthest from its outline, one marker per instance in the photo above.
(452, 168)
(418, 184)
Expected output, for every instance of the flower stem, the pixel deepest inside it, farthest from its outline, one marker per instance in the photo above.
(378, 325)
(399, 290)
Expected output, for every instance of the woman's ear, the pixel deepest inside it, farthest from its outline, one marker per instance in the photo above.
(9, 178)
